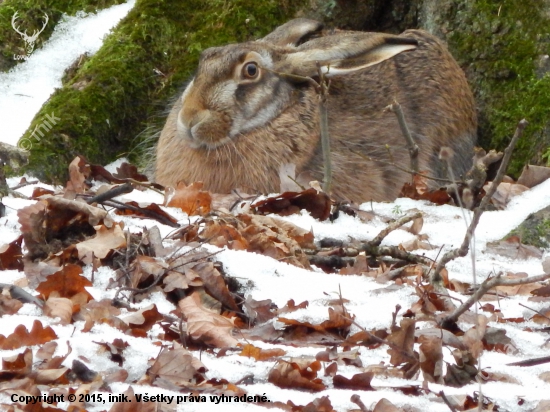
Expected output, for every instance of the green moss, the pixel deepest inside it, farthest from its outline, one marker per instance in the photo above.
(499, 43)
(31, 18)
(118, 92)
(535, 230)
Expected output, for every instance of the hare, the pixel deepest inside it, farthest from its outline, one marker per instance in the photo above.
(250, 109)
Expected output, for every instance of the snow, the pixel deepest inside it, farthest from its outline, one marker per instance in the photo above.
(25, 88)
(23, 91)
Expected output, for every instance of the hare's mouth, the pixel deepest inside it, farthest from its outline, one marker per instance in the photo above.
(206, 131)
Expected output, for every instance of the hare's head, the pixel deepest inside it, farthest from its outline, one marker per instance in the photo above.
(242, 87)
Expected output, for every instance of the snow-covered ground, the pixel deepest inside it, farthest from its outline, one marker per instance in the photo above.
(27, 87)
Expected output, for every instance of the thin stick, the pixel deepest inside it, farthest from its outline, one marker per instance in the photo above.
(485, 286)
(393, 226)
(478, 211)
(357, 400)
(446, 400)
(411, 144)
(323, 125)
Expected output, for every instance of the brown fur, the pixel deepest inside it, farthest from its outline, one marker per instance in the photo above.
(426, 81)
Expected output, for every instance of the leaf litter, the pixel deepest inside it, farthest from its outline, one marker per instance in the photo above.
(113, 292)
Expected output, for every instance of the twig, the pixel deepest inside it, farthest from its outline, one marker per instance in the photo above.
(447, 402)
(27, 183)
(531, 362)
(146, 212)
(18, 293)
(356, 399)
(478, 211)
(323, 125)
(536, 311)
(111, 193)
(392, 226)
(411, 144)
(484, 287)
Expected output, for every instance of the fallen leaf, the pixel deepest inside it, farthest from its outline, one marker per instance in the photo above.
(67, 282)
(191, 199)
(360, 382)
(252, 351)
(177, 366)
(62, 308)
(294, 375)
(105, 240)
(205, 325)
(22, 337)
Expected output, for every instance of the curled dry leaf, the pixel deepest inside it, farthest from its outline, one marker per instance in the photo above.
(205, 325)
(142, 320)
(318, 204)
(252, 351)
(11, 255)
(105, 240)
(259, 311)
(191, 199)
(61, 308)
(431, 358)
(177, 366)
(384, 405)
(336, 323)
(115, 348)
(20, 364)
(359, 381)
(402, 338)
(215, 284)
(23, 337)
(474, 336)
(79, 170)
(301, 374)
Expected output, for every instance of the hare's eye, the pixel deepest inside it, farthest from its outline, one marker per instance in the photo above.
(251, 70)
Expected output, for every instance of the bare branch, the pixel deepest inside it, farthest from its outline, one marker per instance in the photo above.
(393, 226)
(411, 144)
(478, 211)
(488, 284)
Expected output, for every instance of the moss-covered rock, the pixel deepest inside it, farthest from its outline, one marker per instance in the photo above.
(114, 94)
(500, 45)
(31, 18)
(535, 230)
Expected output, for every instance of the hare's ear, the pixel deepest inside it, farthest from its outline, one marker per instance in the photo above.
(343, 53)
(293, 33)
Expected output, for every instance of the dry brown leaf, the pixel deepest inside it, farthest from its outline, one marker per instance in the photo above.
(79, 170)
(22, 337)
(191, 199)
(384, 405)
(259, 311)
(205, 325)
(105, 240)
(59, 308)
(532, 175)
(215, 284)
(11, 256)
(115, 348)
(142, 320)
(8, 305)
(403, 338)
(504, 193)
(360, 381)
(259, 354)
(177, 366)
(52, 376)
(21, 364)
(301, 374)
(67, 282)
(431, 358)
(473, 337)
(318, 204)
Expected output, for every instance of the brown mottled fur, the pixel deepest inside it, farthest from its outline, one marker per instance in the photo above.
(426, 81)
